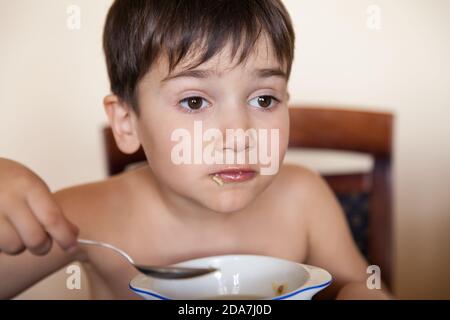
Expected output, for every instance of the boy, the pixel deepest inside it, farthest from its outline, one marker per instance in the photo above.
(173, 64)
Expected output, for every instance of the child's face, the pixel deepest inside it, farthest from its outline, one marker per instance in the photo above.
(230, 97)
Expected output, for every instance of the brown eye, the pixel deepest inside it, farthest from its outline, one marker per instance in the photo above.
(195, 103)
(264, 101)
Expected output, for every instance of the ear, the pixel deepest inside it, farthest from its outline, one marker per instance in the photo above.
(123, 124)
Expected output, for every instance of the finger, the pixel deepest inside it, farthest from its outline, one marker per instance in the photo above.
(10, 241)
(29, 229)
(50, 216)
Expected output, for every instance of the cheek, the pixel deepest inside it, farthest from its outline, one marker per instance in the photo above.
(155, 138)
(280, 122)
(284, 141)
(157, 143)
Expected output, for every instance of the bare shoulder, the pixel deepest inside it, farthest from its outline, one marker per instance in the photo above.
(307, 185)
(94, 206)
(302, 194)
(308, 194)
(330, 242)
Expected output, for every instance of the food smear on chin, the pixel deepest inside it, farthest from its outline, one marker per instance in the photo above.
(217, 180)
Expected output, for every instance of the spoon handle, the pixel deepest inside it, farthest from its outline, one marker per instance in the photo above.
(107, 245)
(168, 272)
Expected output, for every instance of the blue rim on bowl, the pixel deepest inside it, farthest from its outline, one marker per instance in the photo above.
(291, 294)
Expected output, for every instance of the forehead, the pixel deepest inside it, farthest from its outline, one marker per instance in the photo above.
(262, 56)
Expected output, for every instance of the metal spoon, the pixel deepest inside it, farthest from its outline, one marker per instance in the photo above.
(166, 272)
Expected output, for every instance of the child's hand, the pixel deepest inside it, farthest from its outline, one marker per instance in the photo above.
(30, 218)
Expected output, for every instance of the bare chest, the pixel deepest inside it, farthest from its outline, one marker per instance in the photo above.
(109, 274)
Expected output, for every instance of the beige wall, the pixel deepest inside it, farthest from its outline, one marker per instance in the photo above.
(52, 81)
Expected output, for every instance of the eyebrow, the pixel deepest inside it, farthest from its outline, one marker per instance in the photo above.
(203, 74)
(271, 72)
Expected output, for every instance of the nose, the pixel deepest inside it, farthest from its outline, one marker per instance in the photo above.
(235, 123)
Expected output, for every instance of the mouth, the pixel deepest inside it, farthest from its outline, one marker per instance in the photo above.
(232, 175)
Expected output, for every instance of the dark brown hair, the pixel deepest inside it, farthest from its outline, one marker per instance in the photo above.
(138, 32)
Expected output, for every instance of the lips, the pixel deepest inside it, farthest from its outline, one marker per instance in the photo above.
(235, 175)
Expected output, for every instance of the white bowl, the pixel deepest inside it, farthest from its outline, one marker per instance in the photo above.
(240, 277)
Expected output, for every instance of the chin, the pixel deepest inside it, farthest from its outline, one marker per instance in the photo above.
(231, 202)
